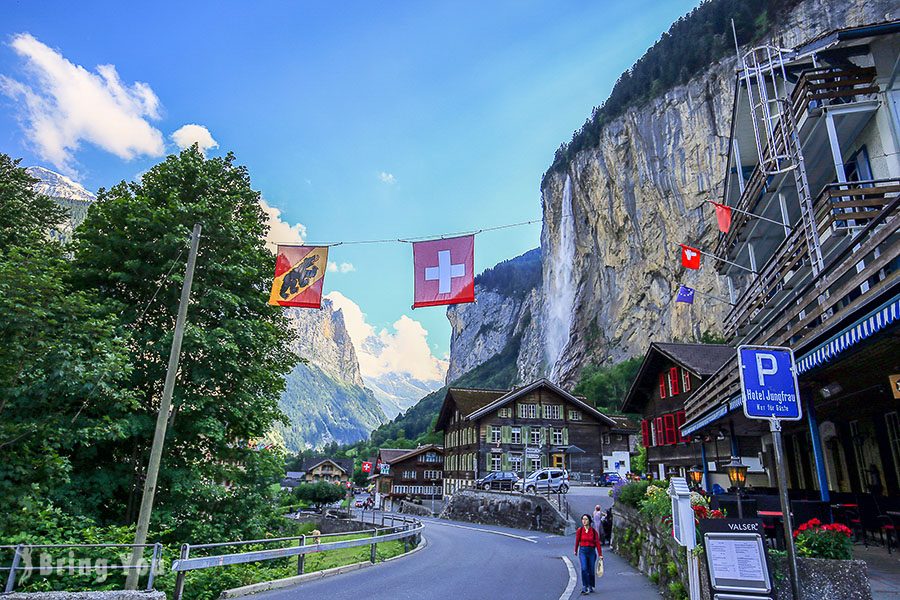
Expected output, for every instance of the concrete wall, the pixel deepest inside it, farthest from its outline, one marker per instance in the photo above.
(508, 509)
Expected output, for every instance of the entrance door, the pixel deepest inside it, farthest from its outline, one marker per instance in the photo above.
(558, 461)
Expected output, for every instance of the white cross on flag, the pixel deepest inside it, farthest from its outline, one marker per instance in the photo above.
(445, 271)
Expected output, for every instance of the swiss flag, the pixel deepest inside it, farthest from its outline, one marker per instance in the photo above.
(444, 271)
(723, 216)
(690, 257)
(367, 467)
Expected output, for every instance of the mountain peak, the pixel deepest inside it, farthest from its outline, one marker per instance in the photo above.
(56, 185)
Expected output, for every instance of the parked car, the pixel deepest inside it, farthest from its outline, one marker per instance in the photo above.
(554, 479)
(359, 504)
(497, 480)
(610, 478)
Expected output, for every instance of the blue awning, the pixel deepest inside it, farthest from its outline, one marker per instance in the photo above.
(877, 320)
(883, 316)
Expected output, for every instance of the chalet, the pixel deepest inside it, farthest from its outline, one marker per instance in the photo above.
(619, 444)
(404, 474)
(818, 270)
(336, 470)
(521, 430)
(666, 380)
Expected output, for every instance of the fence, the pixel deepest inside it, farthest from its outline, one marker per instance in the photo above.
(25, 550)
(408, 528)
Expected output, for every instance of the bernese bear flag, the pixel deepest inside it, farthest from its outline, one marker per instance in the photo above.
(299, 276)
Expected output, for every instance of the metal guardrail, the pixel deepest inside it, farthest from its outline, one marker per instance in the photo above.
(409, 528)
(24, 550)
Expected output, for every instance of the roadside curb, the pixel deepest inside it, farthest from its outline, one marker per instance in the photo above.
(287, 582)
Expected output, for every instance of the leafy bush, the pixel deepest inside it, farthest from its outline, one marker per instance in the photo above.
(656, 504)
(632, 493)
(319, 493)
(817, 540)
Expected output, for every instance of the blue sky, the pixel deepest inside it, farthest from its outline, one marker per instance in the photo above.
(358, 121)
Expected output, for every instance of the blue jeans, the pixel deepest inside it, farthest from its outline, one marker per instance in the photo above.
(588, 556)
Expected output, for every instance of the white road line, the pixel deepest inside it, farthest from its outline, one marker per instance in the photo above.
(512, 535)
(572, 579)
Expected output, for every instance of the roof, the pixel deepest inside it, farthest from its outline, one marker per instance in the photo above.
(294, 474)
(345, 464)
(848, 33)
(700, 359)
(467, 401)
(546, 383)
(389, 455)
(417, 451)
(624, 423)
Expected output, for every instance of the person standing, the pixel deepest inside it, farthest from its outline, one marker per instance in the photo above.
(587, 549)
(597, 520)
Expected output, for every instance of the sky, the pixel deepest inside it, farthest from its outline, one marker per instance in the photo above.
(356, 120)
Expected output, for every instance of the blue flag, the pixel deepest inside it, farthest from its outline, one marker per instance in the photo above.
(685, 294)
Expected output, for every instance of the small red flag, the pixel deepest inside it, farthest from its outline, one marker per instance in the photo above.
(723, 216)
(367, 467)
(444, 271)
(690, 257)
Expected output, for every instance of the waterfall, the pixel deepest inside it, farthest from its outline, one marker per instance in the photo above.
(559, 285)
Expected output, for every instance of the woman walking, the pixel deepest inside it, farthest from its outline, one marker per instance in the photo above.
(587, 549)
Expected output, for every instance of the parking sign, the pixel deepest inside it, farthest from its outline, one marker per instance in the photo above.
(769, 383)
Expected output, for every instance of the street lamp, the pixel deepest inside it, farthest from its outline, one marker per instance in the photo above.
(696, 476)
(737, 475)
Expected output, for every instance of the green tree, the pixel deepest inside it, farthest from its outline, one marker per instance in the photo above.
(62, 364)
(234, 356)
(607, 385)
(319, 493)
(639, 462)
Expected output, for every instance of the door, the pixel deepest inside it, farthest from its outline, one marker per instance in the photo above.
(558, 461)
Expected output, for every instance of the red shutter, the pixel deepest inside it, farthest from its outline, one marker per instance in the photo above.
(679, 421)
(662, 385)
(645, 433)
(673, 380)
(685, 381)
(660, 433)
(670, 429)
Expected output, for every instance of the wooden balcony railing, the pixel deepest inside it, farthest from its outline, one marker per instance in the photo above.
(824, 86)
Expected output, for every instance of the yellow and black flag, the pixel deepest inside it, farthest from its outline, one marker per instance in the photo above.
(299, 276)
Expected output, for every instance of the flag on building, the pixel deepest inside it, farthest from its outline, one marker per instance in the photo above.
(723, 216)
(685, 294)
(367, 467)
(444, 271)
(690, 257)
(299, 276)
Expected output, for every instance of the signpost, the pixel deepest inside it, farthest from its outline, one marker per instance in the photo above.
(769, 391)
(683, 529)
(736, 557)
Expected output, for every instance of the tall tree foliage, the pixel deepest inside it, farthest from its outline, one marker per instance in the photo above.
(234, 356)
(607, 385)
(61, 361)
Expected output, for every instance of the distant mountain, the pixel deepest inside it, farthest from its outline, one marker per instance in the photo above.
(68, 194)
(398, 391)
(326, 399)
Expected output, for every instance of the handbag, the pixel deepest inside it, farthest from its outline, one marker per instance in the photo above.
(598, 568)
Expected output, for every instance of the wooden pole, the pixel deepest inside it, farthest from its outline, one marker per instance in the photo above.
(159, 436)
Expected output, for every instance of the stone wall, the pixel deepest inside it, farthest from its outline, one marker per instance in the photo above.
(420, 510)
(508, 509)
(331, 525)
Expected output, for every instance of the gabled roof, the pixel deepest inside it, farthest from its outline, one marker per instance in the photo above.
(545, 383)
(700, 359)
(624, 423)
(294, 474)
(344, 464)
(390, 455)
(467, 400)
(420, 450)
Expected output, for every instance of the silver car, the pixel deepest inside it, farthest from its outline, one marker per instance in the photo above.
(553, 478)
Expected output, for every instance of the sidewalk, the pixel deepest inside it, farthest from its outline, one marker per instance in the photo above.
(884, 571)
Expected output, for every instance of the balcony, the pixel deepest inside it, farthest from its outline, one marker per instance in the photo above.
(816, 88)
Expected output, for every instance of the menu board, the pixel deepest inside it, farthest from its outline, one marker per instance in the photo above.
(737, 562)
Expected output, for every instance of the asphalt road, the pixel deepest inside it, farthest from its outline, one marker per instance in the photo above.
(465, 561)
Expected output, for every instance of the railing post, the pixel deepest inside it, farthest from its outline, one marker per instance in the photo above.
(372, 551)
(301, 558)
(11, 579)
(179, 579)
(154, 563)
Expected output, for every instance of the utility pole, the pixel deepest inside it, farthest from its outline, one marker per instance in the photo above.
(159, 436)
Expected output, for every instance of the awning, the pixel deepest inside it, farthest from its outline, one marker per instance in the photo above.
(715, 415)
(879, 319)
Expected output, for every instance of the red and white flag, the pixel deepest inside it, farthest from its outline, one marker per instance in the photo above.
(367, 467)
(723, 216)
(690, 257)
(444, 271)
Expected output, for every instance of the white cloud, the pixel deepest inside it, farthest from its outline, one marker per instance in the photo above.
(63, 104)
(280, 231)
(387, 178)
(403, 349)
(344, 267)
(191, 134)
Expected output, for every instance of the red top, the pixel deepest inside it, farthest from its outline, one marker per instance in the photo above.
(588, 538)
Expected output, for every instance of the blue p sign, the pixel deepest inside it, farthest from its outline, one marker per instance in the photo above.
(768, 383)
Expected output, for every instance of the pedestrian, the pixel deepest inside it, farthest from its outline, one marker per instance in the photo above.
(596, 519)
(587, 549)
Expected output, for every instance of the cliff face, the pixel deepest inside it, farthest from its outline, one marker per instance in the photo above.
(613, 217)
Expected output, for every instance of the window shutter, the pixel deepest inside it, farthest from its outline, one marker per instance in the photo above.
(673, 381)
(526, 435)
(662, 385)
(543, 460)
(670, 429)
(565, 436)
(504, 462)
(545, 435)
(645, 433)
(679, 421)
(660, 432)
(505, 434)
(685, 380)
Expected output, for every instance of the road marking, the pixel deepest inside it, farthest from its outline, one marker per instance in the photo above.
(512, 535)
(572, 579)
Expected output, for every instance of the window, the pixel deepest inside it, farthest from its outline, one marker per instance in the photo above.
(505, 413)
(662, 385)
(516, 435)
(669, 424)
(557, 437)
(893, 430)
(645, 433)
(495, 461)
(535, 464)
(685, 381)
(660, 433)
(527, 411)
(515, 462)
(495, 434)
(574, 415)
(552, 411)
(432, 475)
(535, 436)
(606, 439)
(409, 474)
(673, 381)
